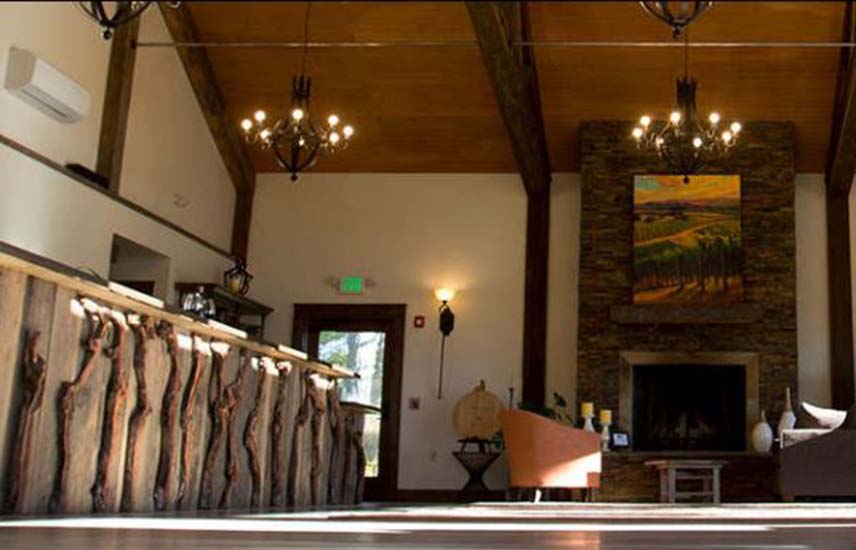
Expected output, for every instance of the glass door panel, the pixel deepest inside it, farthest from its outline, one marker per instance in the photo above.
(363, 353)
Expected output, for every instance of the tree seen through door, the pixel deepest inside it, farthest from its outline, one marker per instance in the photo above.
(363, 353)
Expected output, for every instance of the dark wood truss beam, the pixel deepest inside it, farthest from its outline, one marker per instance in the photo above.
(226, 136)
(841, 166)
(117, 102)
(514, 80)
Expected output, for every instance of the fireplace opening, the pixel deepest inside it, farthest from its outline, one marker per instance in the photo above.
(689, 407)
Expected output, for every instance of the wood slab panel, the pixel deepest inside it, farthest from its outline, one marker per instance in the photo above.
(27, 399)
(13, 288)
(62, 359)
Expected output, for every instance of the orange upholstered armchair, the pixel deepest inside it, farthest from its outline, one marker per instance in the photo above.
(543, 454)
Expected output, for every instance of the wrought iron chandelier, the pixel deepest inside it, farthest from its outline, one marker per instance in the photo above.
(686, 142)
(295, 139)
(118, 14)
(676, 14)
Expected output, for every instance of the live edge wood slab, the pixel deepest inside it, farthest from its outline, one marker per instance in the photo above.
(110, 404)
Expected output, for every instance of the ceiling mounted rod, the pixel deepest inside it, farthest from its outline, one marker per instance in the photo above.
(611, 44)
(301, 45)
(474, 44)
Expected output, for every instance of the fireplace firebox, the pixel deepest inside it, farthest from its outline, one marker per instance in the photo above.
(688, 402)
(689, 408)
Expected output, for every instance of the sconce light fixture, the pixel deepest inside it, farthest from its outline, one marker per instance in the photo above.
(447, 325)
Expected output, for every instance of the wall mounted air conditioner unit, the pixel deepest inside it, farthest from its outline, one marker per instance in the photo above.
(45, 87)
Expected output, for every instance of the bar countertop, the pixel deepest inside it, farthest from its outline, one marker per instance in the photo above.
(91, 286)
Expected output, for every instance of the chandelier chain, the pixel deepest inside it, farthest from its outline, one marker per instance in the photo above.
(685, 142)
(305, 37)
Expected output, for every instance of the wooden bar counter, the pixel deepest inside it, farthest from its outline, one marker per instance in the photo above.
(112, 402)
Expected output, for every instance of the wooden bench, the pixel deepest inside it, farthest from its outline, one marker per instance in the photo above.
(675, 472)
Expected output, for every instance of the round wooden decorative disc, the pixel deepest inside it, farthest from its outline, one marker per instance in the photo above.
(477, 414)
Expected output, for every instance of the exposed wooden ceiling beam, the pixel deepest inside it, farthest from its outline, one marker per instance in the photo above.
(841, 161)
(224, 131)
(117, 102)
(841, 166)
(511, 71)
(514, 80)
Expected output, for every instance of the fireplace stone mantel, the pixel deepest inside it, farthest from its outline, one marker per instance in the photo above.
(657, 314)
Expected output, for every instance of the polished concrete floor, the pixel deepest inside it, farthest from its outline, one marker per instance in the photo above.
(758, 527)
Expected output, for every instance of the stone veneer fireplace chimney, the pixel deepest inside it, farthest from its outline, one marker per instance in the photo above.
(757, 337)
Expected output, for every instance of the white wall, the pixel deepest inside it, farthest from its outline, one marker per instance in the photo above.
(170, 156)
(812, 290)
(562, 307)
(412, 233)
(49, 214)
(59, 34)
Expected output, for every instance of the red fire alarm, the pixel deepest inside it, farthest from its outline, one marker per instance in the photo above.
(419, 321)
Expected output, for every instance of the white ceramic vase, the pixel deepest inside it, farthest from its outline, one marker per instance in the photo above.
(788, 419)
(762, 435)
(589, 425)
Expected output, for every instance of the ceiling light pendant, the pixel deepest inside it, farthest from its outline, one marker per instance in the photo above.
(677, 15)
(295, 139)
(686, 142)
(117, 14)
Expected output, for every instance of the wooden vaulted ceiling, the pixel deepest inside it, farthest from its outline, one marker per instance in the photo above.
(420, 109)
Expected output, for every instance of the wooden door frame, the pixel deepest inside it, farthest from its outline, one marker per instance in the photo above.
(308, 316)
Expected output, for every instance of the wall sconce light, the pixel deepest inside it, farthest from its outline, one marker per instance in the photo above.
(447, 325)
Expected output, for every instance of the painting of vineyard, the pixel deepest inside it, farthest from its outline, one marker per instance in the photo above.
(687, 240)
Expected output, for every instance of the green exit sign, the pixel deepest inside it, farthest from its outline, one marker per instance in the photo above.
(351, 285)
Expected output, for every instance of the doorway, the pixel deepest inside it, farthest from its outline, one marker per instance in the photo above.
(368, 339)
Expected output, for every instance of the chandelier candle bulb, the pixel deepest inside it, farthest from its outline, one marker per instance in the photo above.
(697, 142)
(714, 118)
(297, 114)
(260, 116)
(645, 121)
(726, 136)
(332, 120)
(348, 131)
(675, 117)
(334, 138)
(637, 133)
(247, 125)
(736, 127)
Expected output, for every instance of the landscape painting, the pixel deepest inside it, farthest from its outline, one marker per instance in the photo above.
(687, 240)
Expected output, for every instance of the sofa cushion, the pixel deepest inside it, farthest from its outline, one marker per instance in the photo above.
(793, 437)
(817, 418)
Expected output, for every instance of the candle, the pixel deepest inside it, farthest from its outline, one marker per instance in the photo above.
(587, 409)
(605, 416)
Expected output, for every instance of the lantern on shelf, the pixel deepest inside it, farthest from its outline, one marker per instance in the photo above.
(237, 280)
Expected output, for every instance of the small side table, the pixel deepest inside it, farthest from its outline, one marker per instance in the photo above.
(707, 472)
(475, 463)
